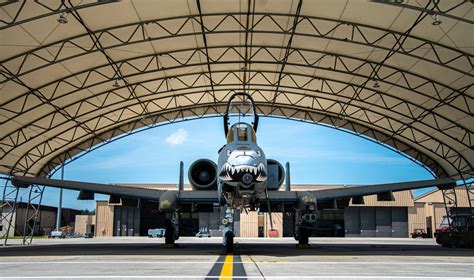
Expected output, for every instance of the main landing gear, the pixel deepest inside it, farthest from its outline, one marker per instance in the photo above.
(171, 230)
(304, 222)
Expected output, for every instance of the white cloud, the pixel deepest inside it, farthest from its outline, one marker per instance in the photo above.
(177, 137)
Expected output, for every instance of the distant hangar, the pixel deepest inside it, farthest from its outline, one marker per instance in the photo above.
(396, 218)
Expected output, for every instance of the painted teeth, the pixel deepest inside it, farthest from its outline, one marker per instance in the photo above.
(232, 170)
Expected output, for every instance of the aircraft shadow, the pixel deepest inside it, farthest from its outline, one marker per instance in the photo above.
(254, 249)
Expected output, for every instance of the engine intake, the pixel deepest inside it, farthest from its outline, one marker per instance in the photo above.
(202, 175)
(276, 174)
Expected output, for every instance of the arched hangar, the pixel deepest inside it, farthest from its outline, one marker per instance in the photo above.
(75, 75)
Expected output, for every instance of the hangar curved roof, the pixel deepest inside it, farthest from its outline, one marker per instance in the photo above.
(77, 73)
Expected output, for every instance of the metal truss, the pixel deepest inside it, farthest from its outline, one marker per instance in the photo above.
(48, 8)
(433, 7)
(356, 32)
(454, 200)
(205, 110)
(30, 223)
(469, 188)
(409, 81)
(338, 61)
(171, 106)
(324, 92)
(140, 125)
(182, 58)
(450, 200)
(133, 33)
(8, 206)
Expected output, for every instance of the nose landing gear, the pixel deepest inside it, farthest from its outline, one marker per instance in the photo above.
(228, 231)
(229, 242)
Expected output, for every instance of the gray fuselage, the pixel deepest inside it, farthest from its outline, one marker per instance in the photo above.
(242, 165)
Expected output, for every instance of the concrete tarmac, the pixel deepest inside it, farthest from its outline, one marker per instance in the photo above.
(254, 258)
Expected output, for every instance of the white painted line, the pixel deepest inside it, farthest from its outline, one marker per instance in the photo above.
(240, 277)
(243, 262)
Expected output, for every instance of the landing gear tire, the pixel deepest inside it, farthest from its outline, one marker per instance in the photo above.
(169, 233)
(229, 242)
(304, 237)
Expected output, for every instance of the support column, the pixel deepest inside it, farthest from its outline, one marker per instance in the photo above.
(58, 215)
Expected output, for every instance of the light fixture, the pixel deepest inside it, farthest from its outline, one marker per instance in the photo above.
(436, 21)
(376, 84)
(115, 85)
(62, 18)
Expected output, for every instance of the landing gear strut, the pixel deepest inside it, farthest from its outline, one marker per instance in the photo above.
(228, 231)
(303, 223)
(172, 230)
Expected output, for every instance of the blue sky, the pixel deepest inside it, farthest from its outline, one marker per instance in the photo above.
(317, 154)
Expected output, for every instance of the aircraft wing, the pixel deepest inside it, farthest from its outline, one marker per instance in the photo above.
(212, 197)
(357, 191)
(117, 190)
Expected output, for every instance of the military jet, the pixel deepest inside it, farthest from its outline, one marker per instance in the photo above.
(243, 179)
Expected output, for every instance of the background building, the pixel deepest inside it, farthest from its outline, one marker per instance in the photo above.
(45, 223)
(397, 218)
(84, 224)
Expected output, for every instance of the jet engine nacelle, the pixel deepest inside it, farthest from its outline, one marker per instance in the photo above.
(202, 175)
(275, 174)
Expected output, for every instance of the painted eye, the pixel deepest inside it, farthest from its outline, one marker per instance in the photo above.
(228, 152)
(258, 153)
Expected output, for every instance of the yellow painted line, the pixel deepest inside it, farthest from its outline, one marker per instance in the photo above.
(227, 268)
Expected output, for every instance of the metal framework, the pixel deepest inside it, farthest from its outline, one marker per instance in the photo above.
(8, 206)
(72, 84)
(35, 196)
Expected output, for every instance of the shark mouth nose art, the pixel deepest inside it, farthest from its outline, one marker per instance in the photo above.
(235, 173)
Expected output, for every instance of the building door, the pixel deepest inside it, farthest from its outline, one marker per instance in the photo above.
(288, 224)
(399, 222)
(367, 222)
(383, 219)
(127, 220)
(188, 224)
(352, 221)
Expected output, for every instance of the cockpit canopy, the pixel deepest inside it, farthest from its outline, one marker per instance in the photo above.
(241, 133)
(241, 106)
(240, 110)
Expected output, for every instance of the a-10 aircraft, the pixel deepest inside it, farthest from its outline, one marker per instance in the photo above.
(242, 179)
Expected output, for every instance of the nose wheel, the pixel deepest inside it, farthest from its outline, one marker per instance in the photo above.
(229, 242)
